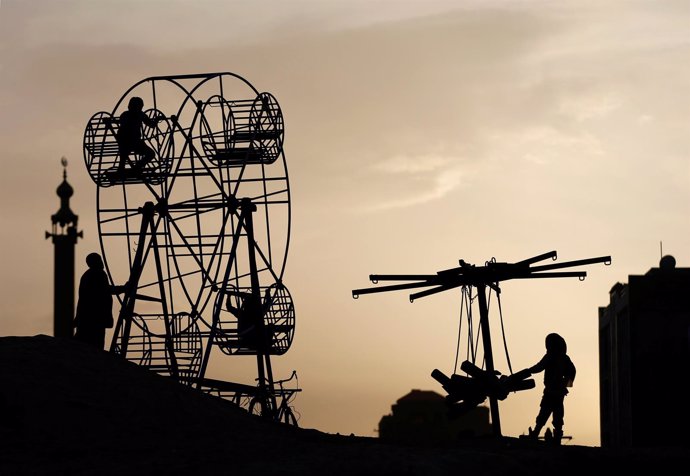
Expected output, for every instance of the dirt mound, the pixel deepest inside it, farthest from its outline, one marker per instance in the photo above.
(69, 409)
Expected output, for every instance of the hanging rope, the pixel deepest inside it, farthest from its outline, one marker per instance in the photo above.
(476, 344)
(503, 331)
(457, 348)
(488, 311)
(472, 346)
(470, 337)
(466, 300)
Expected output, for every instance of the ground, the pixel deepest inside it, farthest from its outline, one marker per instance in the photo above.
(71, 410)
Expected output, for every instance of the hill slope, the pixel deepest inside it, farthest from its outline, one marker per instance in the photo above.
(68, 409)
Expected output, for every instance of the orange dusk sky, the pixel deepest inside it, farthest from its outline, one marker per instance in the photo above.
(417, 133)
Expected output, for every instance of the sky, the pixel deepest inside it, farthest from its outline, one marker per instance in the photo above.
(417, 133)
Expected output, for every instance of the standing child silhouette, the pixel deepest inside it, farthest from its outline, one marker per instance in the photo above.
(129, 138)
(559, 374)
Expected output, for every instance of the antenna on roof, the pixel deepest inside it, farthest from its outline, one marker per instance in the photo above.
(661, 249)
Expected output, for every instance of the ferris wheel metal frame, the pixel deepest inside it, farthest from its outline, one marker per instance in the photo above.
(200, 232)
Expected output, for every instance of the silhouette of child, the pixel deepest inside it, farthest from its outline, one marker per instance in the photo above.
(248, 313)
(559, 374)
(95, 306)
(129, 138)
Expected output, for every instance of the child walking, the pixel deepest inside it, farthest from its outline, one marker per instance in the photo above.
(559, 374)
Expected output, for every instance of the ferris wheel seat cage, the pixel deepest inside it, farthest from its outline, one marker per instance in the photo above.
(238, 132)
(232, 341)
(237, 332)
(240, 156)
(238, 148)
(132, 175)
(103, 158)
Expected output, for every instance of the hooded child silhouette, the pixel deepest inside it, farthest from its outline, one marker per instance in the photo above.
(559, 374)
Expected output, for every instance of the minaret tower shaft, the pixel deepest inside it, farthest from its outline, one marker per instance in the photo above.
(64, 234)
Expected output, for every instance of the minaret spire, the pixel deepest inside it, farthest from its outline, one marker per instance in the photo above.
(64, 234)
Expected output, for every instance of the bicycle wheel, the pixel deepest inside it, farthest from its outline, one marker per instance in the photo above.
(257, 406)
(286, 415)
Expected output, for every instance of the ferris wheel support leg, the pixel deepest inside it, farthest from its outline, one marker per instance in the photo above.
(488, 354)
(221, 291)
(262, 357)
(263, 392)
(166, 317)
(269, 372)
(207, 350)
(266, 390)
(124, 319)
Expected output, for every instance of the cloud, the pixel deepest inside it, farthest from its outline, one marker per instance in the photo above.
(115, 22)
(543, 144)
(404, 164)
(426, 178)
(590, 106)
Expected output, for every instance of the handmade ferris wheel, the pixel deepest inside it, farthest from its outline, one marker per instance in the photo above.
(194, 214)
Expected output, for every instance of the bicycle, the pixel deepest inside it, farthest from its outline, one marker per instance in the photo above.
(284, 412)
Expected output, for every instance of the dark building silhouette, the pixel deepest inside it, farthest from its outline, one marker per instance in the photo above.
(644, 359)
(421, 417)
(64, 234)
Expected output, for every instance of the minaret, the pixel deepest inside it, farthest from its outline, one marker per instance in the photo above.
(64, 234)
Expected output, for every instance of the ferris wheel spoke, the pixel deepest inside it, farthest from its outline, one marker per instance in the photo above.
(197, 216)
(220, 238)
(217, 252)
(185, 149)
(268, 224)
(190, 248)
(169, 278)
(153, 192)
(195, 153)
(194, 214)
(265, 195)
(249, 180)
(176, 170)
(186, 203)
(119, 217)
(266, 261)
(149, 245)
(259, 271)
(238, 180)
(200, 236)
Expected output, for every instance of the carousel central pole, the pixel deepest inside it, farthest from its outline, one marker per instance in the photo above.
(488, 354)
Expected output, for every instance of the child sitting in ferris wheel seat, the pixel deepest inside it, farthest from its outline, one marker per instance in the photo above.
(129, 135)
(248, 314)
